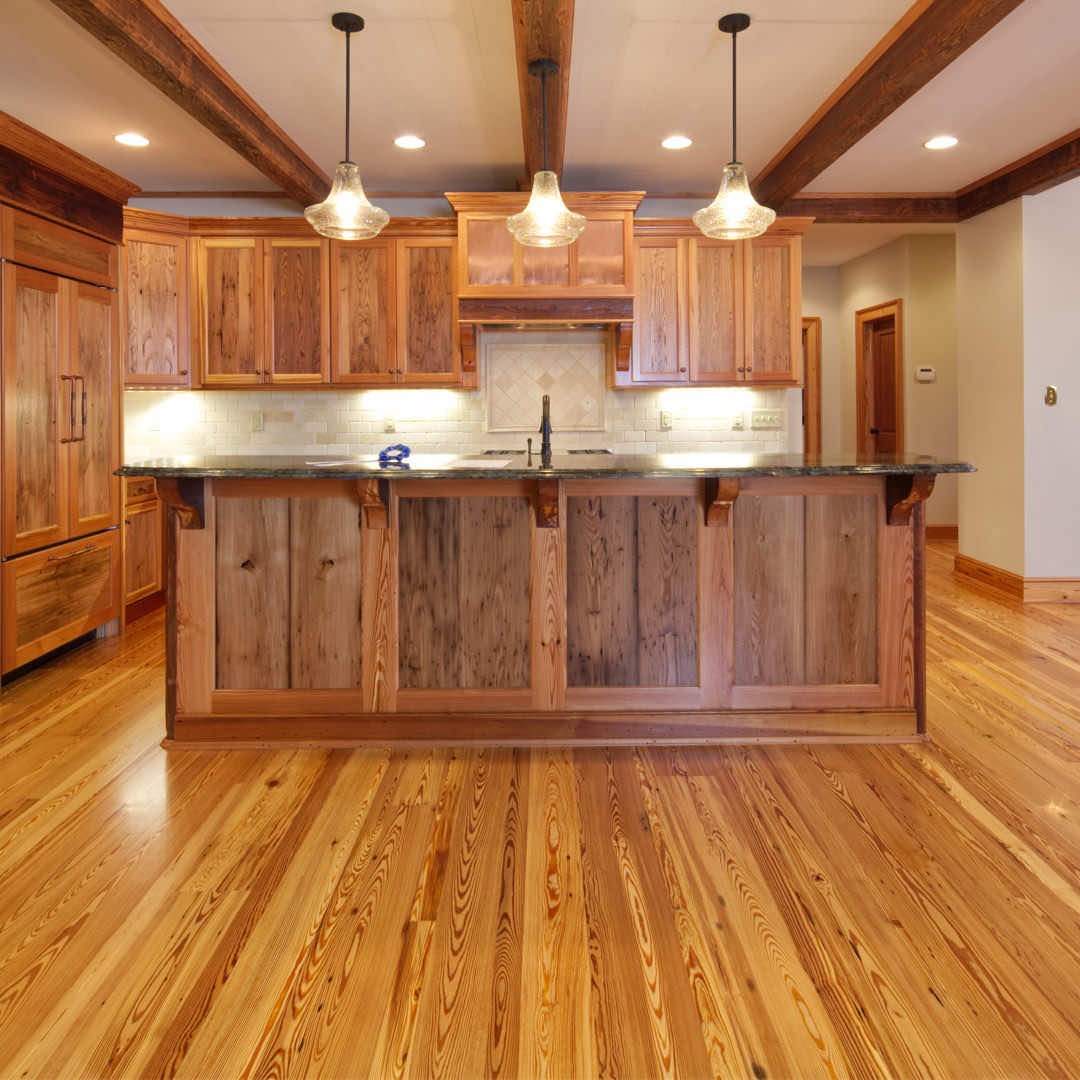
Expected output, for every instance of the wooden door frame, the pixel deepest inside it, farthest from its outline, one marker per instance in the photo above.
(811, 326)
(863, 317)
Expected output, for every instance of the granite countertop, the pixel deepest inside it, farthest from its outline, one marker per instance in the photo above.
(475, 465)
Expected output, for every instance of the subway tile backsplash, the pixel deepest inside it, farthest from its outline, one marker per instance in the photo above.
(346, 422)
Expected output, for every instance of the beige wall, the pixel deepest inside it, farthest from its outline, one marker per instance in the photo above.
(920, 271)
(990, 349)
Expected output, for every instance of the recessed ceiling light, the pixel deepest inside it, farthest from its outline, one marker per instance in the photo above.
(676, 142)
(409, 142)
(132, 138)
(941, 142)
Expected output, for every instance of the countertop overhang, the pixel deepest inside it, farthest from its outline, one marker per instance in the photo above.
(466, 466)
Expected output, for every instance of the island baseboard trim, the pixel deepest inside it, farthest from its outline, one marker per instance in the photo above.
(582, 728)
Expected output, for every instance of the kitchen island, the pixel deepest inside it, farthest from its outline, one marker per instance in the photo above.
(663, 598)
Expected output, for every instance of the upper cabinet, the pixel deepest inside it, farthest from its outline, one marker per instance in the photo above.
(230, 311)
(296, 283)
(491, 263)
(154, 279)
(715, 312)
(428, 347)
(363, 284)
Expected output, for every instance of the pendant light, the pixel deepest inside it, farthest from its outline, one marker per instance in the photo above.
(733, 214)
(545, 222)
(346, 214)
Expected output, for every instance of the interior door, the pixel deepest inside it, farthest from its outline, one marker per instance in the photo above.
(95, 451)
(879, 379)
(883, 363)
(38, 408)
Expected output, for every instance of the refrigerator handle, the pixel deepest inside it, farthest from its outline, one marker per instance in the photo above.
(71, 407)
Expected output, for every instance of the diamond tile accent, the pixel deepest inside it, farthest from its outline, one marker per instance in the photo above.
(518, 376)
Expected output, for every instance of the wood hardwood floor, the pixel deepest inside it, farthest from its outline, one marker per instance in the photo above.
(775, 912)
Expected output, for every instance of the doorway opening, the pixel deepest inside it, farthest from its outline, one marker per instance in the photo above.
(879, 379)
(811, 395)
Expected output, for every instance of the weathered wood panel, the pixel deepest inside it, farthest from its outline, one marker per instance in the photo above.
(230, 311)
(841, 588)
(429, 584)
(769, 590)
(495, 590)
(252, 594)
(601, 591)
(363, 293)
(325, 565)
(297, 316)
(667, 572)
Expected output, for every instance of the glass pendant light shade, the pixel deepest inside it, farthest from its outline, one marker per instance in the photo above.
(734, 214)
(546, 222)
(346, 213)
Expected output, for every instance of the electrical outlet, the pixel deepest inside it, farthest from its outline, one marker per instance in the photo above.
(665, 420)
(256, 421)
(388, 424)
(767, 419)
(738, 422)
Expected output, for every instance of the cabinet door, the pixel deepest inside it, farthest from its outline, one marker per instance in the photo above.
(142, 550)
(773, 309)
(363, 311)
(427, 337)
(232, 306)
(297, 284)
(37, 408)
(715, 315)
(660, 345)
(156, 349)
(94, 499)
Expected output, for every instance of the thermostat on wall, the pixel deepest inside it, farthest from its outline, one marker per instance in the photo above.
(925, 374)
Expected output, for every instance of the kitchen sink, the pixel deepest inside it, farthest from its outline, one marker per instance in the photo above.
(514, 453)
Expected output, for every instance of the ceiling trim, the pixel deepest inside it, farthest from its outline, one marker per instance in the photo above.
(543, 30)
(511, 202)
(923, 43)
(899, 208)
(30, 143)
(1044, 168)
(147, 37)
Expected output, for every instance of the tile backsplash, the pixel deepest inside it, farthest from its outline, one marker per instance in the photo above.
(327, 422)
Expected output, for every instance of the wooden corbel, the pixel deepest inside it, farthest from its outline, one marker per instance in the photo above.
(374, 502)
(720, 495)
(903, 492)
(468, 347)
(624, 341)
(547, 504)
(185, 496)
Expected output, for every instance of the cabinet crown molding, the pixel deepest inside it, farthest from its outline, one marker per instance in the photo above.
(783, 226)
(511, 202)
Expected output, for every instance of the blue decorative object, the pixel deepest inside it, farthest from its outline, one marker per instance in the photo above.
(394, 456)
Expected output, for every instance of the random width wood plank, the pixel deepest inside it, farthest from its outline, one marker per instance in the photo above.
(871, 911)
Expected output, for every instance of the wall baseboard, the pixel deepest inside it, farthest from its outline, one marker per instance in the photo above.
(1030, 590)
(942, 532)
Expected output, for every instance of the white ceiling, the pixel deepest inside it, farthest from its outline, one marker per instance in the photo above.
(59, 79)
(1015, 90)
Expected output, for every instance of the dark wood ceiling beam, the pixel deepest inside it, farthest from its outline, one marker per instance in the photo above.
(543, 30)
(145, 35)
(1050, 165)
(931, 35)
(871, 209)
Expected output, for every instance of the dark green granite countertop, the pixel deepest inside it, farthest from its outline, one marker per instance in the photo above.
(475, 465)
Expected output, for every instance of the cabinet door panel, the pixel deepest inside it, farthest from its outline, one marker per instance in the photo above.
(233, 311)
(601, 253)
(716, 292)
(490, 252)
(296, 294)
(363, 312)
(95, 491)
(774, 309)
(37, 409)
(545, 266)
(142, 551)
(156, 314)
(659, 344)
(427, 313)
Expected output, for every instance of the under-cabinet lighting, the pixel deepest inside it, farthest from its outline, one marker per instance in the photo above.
(410, 142)
(676, 142)
(941, 142)
(132, 138)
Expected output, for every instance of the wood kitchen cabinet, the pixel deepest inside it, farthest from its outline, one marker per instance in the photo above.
(144, 536)
(363, 286)
(61, 438)
(428, 348)
(157, 352)
(296, 282)
(715, 312)
(231, 312)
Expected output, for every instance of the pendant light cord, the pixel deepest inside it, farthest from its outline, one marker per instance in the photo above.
(348, 88)
(543, 111)
(733, 92)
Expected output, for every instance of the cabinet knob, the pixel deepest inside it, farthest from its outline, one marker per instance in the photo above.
(184, 372)
(741, 370)
(682, 369)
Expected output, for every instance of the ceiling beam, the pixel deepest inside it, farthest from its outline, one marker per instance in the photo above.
(1050, 165)
(923, 43)
(876, 209)
(145, 35)
(543, 30)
